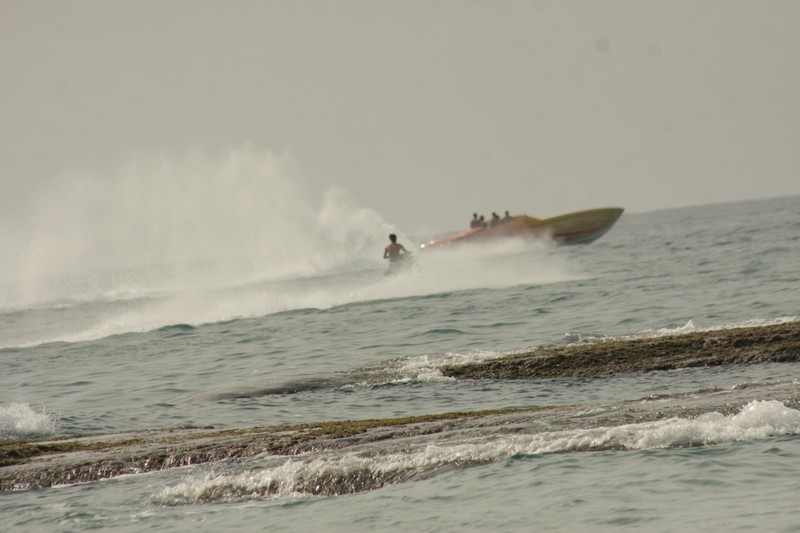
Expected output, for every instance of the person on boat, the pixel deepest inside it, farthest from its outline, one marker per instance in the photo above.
(506, 218)
(495, 220)
(482, 223)
(474, 223)
(394, 251)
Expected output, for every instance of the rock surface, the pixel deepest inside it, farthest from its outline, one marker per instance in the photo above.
(735, 346)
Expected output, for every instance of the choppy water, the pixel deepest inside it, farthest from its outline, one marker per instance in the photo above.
(107, 349)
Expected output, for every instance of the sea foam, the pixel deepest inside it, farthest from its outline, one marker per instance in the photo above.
(19, 420)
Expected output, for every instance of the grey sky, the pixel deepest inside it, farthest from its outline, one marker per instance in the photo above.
(424, 111)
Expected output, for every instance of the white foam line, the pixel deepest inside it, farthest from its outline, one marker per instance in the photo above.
(355, 472)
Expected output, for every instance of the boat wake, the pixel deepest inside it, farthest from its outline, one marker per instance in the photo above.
(497, 266)
(204, 240)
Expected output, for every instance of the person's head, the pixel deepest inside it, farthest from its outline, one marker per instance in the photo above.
(393, 238)
(506, 213)
(474, 215)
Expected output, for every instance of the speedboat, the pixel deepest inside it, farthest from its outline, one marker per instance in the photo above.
(581, 227)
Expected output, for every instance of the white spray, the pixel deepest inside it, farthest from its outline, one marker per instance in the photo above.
(166, 224)
(206, 238)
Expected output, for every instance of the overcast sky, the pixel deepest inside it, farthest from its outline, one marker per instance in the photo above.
(424, 111)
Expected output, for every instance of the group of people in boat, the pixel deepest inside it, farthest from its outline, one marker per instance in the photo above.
(396, 252)
(480, 222)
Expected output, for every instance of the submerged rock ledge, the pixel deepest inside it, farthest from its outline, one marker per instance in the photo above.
(45, 463)
(60, 461)
(776, 343)
(38, 464)
(49, 462)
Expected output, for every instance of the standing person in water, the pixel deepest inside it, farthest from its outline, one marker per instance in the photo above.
(395, 251)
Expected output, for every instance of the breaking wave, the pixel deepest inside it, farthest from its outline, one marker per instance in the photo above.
(19, 420)
(330, 474)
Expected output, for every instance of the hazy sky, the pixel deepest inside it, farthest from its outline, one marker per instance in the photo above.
(424, 111)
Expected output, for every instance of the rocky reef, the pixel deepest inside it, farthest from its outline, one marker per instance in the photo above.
(776, 343)
(48, 462)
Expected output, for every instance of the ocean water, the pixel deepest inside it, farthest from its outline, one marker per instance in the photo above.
(114, 322)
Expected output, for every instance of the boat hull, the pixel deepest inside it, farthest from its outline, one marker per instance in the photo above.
(581, 227)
